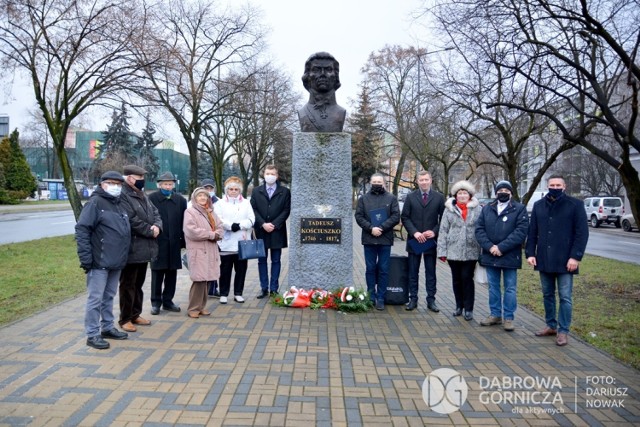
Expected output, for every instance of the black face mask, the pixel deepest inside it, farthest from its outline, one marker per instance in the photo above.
(139, 184)
(503, 197)
(377, 189)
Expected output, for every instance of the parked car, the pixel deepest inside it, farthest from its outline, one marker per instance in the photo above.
(629, 222)
(485, 201)
(604, 209)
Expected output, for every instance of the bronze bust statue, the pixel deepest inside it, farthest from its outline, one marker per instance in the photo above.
(321, 78)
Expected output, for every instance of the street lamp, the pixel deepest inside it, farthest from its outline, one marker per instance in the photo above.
(420, 55)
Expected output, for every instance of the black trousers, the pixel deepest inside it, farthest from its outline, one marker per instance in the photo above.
(463, 285)
(158, 295)
(131, 295)
(229, 263)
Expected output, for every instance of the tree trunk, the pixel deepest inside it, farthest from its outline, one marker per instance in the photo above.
(69, 184)
(631, 181)
(399, 171)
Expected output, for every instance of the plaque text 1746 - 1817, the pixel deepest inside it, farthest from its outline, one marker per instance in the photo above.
(320, 230)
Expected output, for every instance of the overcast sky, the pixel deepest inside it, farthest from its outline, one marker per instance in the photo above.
(348, 29)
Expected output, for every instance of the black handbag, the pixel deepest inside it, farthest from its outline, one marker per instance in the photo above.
(251, 249)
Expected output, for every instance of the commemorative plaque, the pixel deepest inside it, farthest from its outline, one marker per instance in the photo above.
(321, 230)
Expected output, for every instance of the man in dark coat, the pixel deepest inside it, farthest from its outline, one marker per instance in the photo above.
(271, 204)
(171, 207)
(421, 214)
(103, 235)
(558, 235)
(501, 230)
(377, 213)
(146, 226)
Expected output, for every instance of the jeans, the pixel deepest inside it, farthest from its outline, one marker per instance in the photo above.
(502, 306)
(265, 284)
(229, 263)
(158, 295)
(463, 284)
(429, 273)
(565, 288)
(377, 259)
(101, 289)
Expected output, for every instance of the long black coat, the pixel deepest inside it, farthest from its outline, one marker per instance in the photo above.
(275, 211)
(558, 231)
(370, 202)
(142, 215)
(171, 240)
(416, 217)
(508, 230)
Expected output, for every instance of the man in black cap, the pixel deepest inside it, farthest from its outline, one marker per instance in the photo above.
(171, 207)
(210, 185)
(146, 226)
(103, 236)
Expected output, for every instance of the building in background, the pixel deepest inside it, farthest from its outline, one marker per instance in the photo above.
(4, 125)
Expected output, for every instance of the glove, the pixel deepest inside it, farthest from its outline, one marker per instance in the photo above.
(235, 226)
(443, 258)
(86, 269)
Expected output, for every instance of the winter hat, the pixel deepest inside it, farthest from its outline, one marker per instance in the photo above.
(134, 170)
(167, 176)
(116, 176)
(208, 183)
(198, 191)
(232, 181)
(463, 185)
(503, 184)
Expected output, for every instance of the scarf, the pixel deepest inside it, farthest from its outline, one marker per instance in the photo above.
(212, 221)
(463, 210)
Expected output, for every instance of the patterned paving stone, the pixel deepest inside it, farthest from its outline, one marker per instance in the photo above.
(256, 364)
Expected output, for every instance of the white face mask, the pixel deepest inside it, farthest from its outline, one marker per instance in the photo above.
(114, 190)
(212, 193)
(270, 179)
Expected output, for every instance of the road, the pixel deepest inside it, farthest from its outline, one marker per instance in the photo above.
(606, 241)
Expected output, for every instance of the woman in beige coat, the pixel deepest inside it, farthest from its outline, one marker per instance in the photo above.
(202, 229)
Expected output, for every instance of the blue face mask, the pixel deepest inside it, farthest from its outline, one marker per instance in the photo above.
(165, 193)
(555, 193)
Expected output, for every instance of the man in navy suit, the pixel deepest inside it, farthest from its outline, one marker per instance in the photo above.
(421, 216)
(271, 204)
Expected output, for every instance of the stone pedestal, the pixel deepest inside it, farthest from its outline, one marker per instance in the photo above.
(321, 220)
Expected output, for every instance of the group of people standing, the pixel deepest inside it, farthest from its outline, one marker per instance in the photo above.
(462, 233)
(121, 230)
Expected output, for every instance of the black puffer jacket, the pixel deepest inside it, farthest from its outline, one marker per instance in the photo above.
(103, 233)
(142, 215)
(371, 202)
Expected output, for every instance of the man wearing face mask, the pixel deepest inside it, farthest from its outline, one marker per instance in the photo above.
(501, 230)
(103, 236)
(146, 226)
(558, 236)
(171, 207)
(271, 205)
(377, 213)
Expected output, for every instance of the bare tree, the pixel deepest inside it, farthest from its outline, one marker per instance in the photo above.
(189, 45)
(76, 55)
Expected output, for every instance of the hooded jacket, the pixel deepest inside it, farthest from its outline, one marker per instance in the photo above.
(457, 237)
(202, 249)
(232, 211)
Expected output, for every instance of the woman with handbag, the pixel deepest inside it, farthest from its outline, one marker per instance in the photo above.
(458, 246)
(202, 229)
(237, 219)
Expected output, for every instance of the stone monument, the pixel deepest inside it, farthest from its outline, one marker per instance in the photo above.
(321, 239)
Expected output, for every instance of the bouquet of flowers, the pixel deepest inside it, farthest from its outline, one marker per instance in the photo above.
(354, 300)
(348, 299)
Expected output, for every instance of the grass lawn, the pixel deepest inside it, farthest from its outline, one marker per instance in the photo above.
(606, 305)
(37, 274)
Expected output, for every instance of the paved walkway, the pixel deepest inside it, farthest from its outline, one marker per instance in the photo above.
(256, 364)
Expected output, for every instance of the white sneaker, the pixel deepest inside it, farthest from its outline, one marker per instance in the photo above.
(238, 298)
(223, 300)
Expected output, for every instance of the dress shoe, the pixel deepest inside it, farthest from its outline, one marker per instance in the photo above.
(412, 305)
(193, 314)
(263, 294)
(205, 313)
(458, 312)
(379, 305)
(172, 307)
(508, 325)
(562, 340)
(223, 300)
(491, 320)
(238, 298)
(433, 307)
(155, 310)
(468, 315)
(97, 342)
(128, 327)
(546, 332)
(141, 321)
(114, 334)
